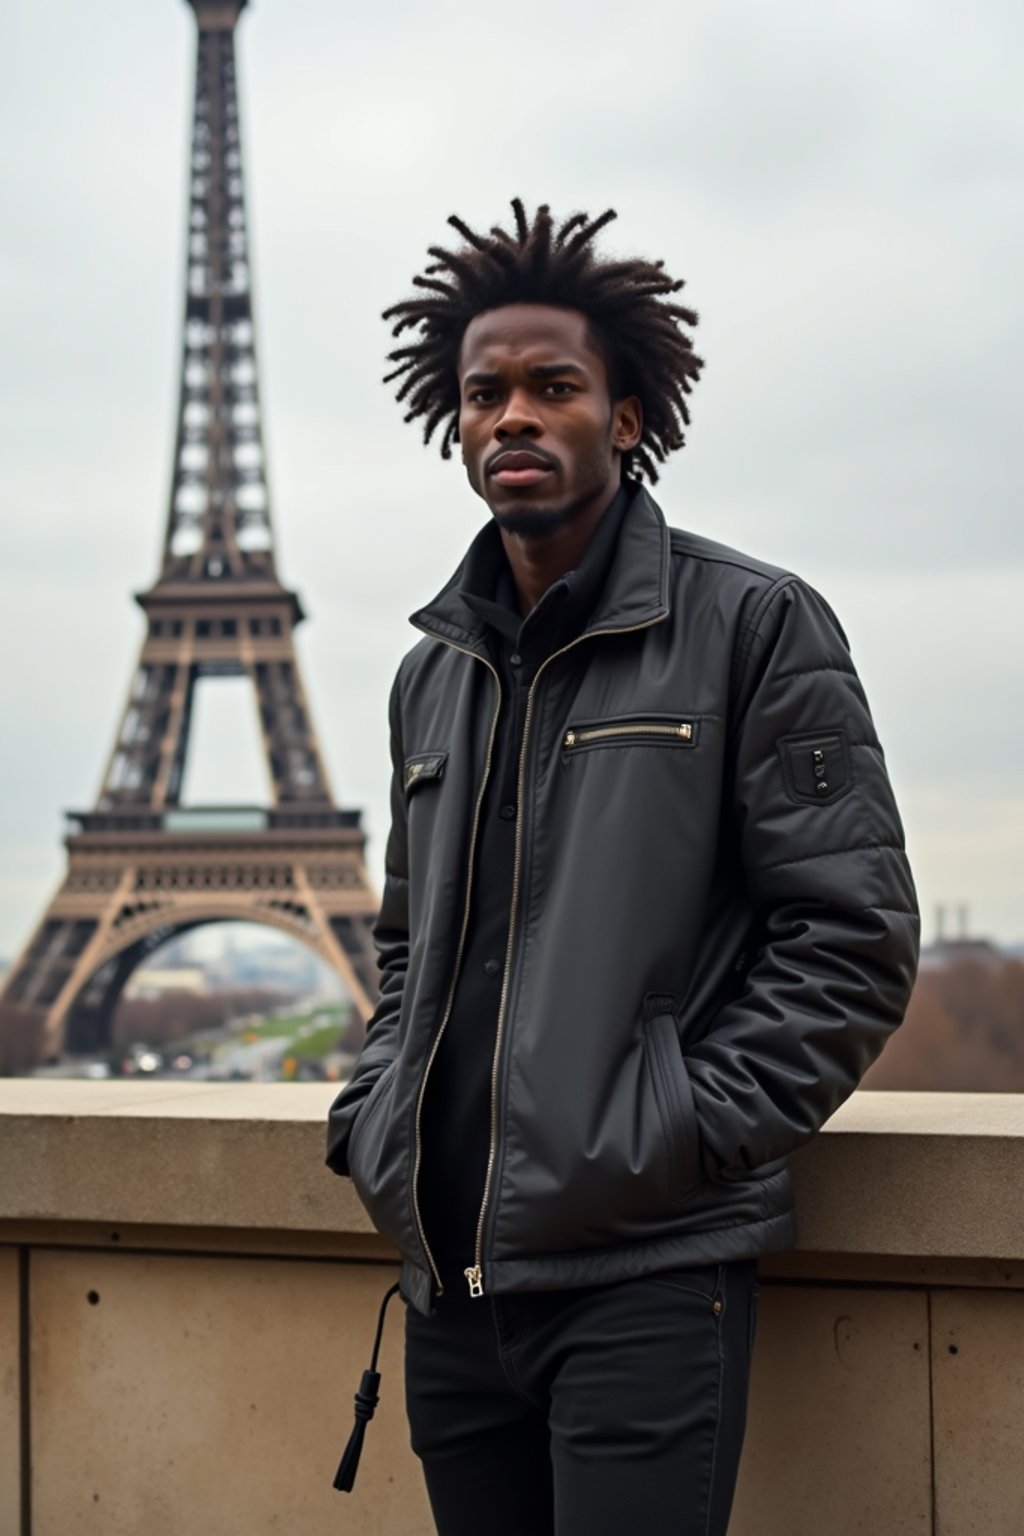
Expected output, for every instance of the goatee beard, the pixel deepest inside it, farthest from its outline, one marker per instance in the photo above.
(538, 522)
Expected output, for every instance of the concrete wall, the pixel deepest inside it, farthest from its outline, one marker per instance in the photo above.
(10, 1430)
(187, 1300)
(175, 1394)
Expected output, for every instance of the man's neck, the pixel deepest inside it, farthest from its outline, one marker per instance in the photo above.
(537, 562)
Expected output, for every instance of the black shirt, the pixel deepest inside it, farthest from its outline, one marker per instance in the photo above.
(456, 1115)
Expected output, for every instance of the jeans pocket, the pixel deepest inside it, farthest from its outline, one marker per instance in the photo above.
(701, 1280)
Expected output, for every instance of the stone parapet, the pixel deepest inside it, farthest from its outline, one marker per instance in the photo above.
(188, 1297)
(928, 1175)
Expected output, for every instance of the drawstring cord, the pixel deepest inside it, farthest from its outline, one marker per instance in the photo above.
(367, 1399)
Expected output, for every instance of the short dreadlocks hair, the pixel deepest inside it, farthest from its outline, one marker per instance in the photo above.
(638, 331)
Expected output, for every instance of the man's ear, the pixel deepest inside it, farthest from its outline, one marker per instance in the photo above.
(627, 423)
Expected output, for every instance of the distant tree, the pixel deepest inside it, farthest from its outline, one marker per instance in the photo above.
(174, 1015)
(964, 1030)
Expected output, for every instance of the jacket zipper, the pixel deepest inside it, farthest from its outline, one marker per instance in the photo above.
(683, 731)
(474, 1272)
(458, 956)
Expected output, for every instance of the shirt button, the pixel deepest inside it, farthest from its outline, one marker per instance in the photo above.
(515, 659)
(508, 813)
(492, 967)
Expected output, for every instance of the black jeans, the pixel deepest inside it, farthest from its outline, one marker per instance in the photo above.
(603, 1411)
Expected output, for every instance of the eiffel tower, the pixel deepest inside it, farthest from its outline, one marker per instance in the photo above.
(142, 867)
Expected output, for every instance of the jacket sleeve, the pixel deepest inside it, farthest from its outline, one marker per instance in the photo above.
(822, 852)
(391, 937)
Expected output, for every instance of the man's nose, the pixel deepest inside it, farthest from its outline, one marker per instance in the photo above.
(519, 418)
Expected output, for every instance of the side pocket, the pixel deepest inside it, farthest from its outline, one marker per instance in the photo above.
(674, 1098)
(370, 1106)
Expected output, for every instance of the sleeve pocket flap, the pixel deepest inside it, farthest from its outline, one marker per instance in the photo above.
(424, 768)
(816, 766)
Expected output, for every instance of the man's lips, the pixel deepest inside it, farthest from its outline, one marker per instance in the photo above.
(526, 476)
(519, 466)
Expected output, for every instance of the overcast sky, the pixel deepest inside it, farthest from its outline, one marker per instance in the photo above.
(841, 186)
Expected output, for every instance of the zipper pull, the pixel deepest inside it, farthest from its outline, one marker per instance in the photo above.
(476, 1282)
(570, 739)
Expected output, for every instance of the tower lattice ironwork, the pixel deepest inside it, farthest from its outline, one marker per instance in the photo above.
(142, 867)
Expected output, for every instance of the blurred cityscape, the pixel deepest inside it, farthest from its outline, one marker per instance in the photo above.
(228, 1003)
(234, 1003)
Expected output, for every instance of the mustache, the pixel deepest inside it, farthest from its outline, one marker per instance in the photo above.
(539, 455)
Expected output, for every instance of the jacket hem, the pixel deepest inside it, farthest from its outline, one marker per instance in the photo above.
(716, 1245)
(416, 1286)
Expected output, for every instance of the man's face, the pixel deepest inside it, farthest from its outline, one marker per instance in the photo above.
(541, 439)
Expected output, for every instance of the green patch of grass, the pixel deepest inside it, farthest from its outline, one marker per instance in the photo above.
(269, 1029)
(321, 1042)
(305, 1037)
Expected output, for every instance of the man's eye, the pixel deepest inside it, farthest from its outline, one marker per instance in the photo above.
(482, 396)
(560, 387)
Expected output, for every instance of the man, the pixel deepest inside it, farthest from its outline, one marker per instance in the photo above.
(647, 917)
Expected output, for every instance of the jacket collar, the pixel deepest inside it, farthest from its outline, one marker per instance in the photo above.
(635, 593)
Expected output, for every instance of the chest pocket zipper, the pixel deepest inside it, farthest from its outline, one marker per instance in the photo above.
(676, 732)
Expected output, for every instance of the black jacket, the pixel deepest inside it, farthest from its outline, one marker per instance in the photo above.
(714, 926)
